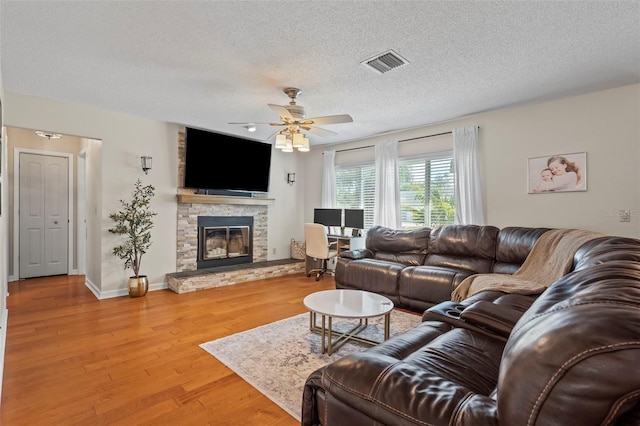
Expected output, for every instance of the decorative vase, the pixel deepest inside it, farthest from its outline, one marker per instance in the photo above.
(138, 286)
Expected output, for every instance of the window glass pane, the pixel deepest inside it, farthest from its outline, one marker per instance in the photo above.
(355, 189)
(426, 192)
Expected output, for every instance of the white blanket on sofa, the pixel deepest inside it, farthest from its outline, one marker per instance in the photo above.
(550, 258)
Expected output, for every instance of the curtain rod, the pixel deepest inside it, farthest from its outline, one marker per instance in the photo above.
(403, 140)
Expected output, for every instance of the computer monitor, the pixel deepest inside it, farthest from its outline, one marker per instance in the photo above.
(354, 218)
(328, 217)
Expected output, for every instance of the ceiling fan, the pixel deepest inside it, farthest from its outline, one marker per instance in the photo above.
(294, 122)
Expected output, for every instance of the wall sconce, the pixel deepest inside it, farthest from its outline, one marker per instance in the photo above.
(291, 178)
(145, 161)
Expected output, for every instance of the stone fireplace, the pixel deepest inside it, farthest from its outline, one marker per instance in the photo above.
(232, 234)
(191, 206)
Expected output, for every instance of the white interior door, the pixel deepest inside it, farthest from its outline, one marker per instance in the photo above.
(43, 215)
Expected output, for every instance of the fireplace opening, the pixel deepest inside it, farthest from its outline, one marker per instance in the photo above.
(224, 240)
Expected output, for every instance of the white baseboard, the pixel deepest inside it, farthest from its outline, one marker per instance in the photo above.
(119, 292)
(3, 342)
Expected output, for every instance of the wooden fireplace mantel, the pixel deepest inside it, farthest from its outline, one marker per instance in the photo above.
(222, 199)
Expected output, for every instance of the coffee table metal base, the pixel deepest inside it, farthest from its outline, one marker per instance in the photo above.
(329, 345)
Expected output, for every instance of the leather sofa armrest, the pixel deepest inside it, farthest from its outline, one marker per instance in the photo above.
(491, 316)
(356, 254)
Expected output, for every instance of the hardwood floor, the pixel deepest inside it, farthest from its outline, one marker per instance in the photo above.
(74, 360)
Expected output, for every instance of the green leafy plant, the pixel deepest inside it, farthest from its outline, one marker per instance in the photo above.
(135, 221)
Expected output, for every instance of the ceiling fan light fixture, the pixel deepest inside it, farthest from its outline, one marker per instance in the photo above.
(305, 145)
(288, 147)
(281, 141)
(298, 140)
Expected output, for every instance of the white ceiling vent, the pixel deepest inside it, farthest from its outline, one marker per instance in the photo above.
(385, 62)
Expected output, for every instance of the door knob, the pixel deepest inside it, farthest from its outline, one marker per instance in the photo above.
(55, 222)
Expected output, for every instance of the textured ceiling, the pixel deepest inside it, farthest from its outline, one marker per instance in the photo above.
(208, 63)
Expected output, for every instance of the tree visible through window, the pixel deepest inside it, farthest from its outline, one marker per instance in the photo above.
(426, 190)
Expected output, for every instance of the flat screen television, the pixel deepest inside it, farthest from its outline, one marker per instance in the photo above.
(220, 162)
(354, 218)
(328, 217)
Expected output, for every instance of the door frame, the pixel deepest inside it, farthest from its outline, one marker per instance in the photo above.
(16, 205)
(81, 234)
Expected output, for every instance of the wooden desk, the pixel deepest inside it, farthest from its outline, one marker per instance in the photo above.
(344, 243)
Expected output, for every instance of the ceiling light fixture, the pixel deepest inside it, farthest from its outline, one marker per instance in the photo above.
(290, 138)
(250, 128)
(48, 135)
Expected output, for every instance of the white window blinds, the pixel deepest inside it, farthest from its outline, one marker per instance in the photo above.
(426, 190)
(355, 189)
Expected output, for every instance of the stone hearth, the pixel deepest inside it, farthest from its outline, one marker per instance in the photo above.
(202, 279)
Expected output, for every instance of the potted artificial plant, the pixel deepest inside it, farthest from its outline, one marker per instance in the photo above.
(134, 221)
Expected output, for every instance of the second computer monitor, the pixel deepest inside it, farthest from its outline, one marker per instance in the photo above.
(354, 218)
(328, 217)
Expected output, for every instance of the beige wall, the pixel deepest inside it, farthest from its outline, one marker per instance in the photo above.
(603, 124)
(115, 170)
(93, 206)
(4, 223)
(115, 165)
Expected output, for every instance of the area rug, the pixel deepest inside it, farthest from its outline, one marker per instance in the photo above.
(277, 358)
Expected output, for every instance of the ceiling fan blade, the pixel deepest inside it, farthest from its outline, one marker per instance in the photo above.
(318, 131)
(273, 134)
(250, 122)
(280, 110)
(329, 119)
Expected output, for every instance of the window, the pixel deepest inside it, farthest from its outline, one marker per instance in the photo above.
(355, 189)
(426, 191)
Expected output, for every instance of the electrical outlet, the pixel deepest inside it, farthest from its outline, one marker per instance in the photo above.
(273, 251)
(625, 215)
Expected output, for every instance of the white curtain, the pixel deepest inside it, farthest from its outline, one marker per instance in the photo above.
(468, 187)
(387, 191)
(329, 180)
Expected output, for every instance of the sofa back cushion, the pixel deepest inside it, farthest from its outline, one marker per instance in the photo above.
(467, 247)
(513, 247)
(408, 247)
(606, 249)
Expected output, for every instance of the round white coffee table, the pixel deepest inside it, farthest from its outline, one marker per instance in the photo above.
(350, 304)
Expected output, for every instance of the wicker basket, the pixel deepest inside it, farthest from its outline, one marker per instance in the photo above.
(298, 249)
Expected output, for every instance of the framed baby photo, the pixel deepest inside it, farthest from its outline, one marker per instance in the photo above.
(557, 173)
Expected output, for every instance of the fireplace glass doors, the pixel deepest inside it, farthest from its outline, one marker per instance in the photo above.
(221, 242)
(224, 240)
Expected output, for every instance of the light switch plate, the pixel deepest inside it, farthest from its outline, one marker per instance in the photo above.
(625, 216)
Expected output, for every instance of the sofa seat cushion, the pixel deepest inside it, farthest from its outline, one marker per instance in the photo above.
(423, 286)
(377, 276)
(435, 383)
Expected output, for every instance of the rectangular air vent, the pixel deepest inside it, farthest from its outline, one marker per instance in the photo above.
(385, 62)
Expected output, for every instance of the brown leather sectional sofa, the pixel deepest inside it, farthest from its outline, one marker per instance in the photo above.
(566, 357)
(420, 268)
